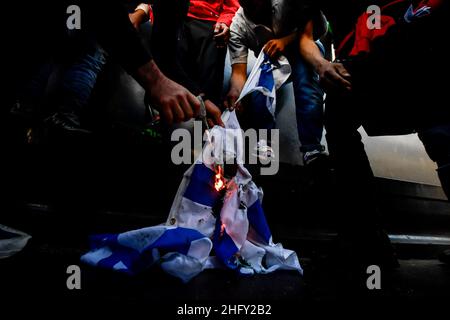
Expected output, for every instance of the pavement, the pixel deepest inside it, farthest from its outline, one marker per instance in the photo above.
(38, 275)
(61, 197)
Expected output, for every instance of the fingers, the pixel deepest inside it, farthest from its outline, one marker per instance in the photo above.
(336, 77)
(230, 102)
(221, 34)
(341, 81)
(226, 105)
(342, 71)
(268, 47)
(167, 115)
(272, 49)
(186, 108)
(217, 28)
(214, 113)
(194, 103)
(178, 113)
(239, 107)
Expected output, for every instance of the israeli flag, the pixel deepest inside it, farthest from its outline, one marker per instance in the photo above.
(239, 233)
(267, 77)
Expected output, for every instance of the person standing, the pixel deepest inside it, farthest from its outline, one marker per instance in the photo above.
(202, 46)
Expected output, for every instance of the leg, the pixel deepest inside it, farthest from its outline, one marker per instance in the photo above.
(308, 104)
(349, 159)
(360, 234)
(210, 60)
(437, 144)
(200, 64)
(78, 81)
(169, 16)
(80, 78)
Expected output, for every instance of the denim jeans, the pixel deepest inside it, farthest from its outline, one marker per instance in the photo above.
(80, 77)
(308, 104)
(308, 101)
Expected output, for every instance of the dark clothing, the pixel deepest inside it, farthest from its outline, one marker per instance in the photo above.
(396, 89)
(200, 58)
(110, 22)
(107, 20)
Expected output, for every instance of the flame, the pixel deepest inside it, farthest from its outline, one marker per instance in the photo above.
(219, 183)
(222, 229)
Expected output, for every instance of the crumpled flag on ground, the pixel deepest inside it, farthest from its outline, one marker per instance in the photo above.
(240, 235)
(11, 241)
(267, 77)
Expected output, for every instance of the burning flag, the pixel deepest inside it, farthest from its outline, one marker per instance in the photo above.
(219, 183)
(215, 207)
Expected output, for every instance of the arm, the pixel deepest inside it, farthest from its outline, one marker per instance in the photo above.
(238, 49)
(140, 15)
(229, 9)
(274, 48)
(332, 75)
(237, 82)
(222, 27)
(175, 102)
(118, 37)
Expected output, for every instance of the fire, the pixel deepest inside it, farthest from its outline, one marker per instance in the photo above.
(219, 183)
(222, 229)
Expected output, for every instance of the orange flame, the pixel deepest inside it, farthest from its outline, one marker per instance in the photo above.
(219, 183)
(222, 229)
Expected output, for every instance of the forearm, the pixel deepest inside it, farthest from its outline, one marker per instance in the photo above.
(238, 76)
(290, 39)
(311, 53)
(148, 74)
(309, 50)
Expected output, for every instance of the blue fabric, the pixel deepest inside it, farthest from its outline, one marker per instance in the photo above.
(224, 247)
(81, 76)
(308, 102)
(261, 116)
(201, 186)
(172, 240)
(266, 76)
(308, 96)
(178, 240)
(258, 221)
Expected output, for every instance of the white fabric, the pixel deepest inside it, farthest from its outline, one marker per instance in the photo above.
(240, 190)
(14, 243)
(281, 72)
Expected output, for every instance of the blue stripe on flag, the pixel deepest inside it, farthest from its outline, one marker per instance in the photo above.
(258, 221)
(178, 239)
(266, 76)
(201, 186)
(172, 240)
(129, 257)
(224, 247)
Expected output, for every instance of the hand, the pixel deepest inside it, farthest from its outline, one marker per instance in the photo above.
(232, 97)
(214, 114)
(274, 48)
(174, 102)
(137, 18)
(334, 76)
(221, 35)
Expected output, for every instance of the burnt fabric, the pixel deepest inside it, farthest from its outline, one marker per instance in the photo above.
(206, 228)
